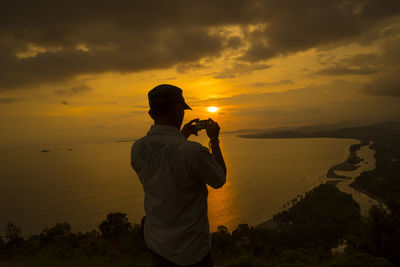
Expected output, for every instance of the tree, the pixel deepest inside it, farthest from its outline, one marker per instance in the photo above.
(222, 241)
(384, 233)
(116, 225)
(13, 233)
(241, 233)
(59, 231)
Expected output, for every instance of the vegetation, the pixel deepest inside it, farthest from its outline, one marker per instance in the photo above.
(116, 243)
(384, 182)
(303, 236)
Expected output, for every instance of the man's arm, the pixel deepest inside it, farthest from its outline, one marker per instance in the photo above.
(212, 130)
(206, 168)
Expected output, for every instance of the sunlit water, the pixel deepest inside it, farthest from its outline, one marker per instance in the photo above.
(81, 186)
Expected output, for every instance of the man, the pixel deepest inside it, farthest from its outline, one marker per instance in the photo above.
(174, 173)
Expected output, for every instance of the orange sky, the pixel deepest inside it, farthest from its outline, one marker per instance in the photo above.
(74, 74)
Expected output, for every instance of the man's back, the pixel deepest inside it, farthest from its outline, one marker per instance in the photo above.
(174, 173)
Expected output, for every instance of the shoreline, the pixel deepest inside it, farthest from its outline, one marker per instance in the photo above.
(349, 164)
(370, 195)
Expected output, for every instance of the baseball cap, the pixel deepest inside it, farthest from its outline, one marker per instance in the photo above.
(166, 93)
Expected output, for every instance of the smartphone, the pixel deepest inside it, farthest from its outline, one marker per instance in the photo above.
(202, 124)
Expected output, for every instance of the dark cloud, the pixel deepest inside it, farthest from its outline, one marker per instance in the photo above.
(53, 41)
(325, 59)
(294, 26)
(345, 70)
(184, 68)
(95, 37)
(281, 82)
(383, 67)
(153, 51)
(387, 85)
(240, 68)
(74, 90)
(234, 42)
(359, 64)
(388, 82)
(9, 100)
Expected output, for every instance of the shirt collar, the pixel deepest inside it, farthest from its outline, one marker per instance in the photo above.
(162, 129)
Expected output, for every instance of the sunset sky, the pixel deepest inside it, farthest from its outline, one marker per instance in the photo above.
(79, 71)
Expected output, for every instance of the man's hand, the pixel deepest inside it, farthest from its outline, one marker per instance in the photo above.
(212, 129)
(190, 128)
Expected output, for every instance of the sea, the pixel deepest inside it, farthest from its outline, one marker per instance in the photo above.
(82, 183)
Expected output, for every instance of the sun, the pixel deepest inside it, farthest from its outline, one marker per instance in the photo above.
(212, 109)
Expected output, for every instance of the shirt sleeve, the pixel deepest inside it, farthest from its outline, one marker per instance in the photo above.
(137, 158)
(206, 169)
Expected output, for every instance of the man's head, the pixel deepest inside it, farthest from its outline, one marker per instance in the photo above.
(167, 105)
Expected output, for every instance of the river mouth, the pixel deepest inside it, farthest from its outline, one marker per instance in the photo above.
(366, 163)
(360, 159)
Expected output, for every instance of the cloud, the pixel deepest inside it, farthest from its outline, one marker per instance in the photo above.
(74, 90)
(9, 100)
(386, 85)
(184, 68)
(294, 26)
(387, 82)
(334, 91)
(110, 102)
(270, 84)
(383, 67)
(240, 68)
(359, 64)
(153, 51)
(169, 78)
(345, 70)
(332, 102)
(52, 42)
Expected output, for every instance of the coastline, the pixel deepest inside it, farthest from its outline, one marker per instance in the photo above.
(349, 164)
(370, 195)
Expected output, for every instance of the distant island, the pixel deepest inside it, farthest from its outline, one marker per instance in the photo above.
(125, 140)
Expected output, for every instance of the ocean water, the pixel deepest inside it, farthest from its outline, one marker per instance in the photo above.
(81, 186)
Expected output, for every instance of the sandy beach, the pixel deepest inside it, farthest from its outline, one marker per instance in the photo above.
(350, 164)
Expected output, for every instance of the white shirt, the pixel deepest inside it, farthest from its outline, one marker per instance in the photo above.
(174, 173)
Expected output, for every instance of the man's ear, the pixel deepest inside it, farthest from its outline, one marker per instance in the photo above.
(176, 108)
